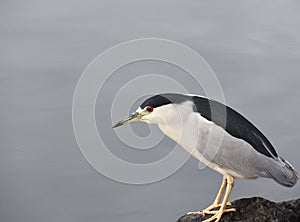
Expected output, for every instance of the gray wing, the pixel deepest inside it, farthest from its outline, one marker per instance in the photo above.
(234, 124)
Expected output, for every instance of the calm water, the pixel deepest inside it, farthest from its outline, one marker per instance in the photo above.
(253, 47)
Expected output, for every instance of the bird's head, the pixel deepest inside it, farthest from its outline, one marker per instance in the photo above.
(160, 109)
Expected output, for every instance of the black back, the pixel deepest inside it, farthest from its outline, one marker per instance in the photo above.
(235, 124)
(227, 118)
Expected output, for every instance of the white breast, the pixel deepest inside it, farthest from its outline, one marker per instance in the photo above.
(196, 135)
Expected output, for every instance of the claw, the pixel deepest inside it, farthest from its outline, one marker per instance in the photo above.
(216, 211)
(194, 212)
(217, 214)
(209, 209)
(204, 212)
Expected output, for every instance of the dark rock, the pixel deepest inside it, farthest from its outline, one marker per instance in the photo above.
(255, 209)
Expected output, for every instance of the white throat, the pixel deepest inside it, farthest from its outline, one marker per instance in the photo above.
(178, 122)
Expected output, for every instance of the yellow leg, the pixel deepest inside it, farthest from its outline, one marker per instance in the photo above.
(221, 191)
(217, 201)
(218, 214)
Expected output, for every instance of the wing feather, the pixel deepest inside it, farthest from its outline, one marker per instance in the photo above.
(234, 123)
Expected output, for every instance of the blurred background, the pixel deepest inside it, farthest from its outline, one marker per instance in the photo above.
(253, 47)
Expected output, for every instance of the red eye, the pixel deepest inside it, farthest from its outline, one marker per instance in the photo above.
(149, 109)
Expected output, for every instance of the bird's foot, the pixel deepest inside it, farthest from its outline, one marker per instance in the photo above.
(209, 209)
(218, 214)
(217, 211)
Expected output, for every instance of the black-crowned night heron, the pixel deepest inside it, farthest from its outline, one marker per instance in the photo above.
(195, 122)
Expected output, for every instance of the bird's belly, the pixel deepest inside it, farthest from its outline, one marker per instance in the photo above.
(210, 163)
(227, 171)
(220, 151)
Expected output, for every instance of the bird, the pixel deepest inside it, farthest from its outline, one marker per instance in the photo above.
(220, 137)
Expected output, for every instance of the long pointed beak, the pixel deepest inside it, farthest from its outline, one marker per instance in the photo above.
(132, 118)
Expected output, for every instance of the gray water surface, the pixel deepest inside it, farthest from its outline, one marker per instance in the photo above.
(253, 47)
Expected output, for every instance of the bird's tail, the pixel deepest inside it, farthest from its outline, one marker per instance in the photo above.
(284, 173)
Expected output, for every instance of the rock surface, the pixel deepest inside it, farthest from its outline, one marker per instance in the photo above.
(256, 209)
